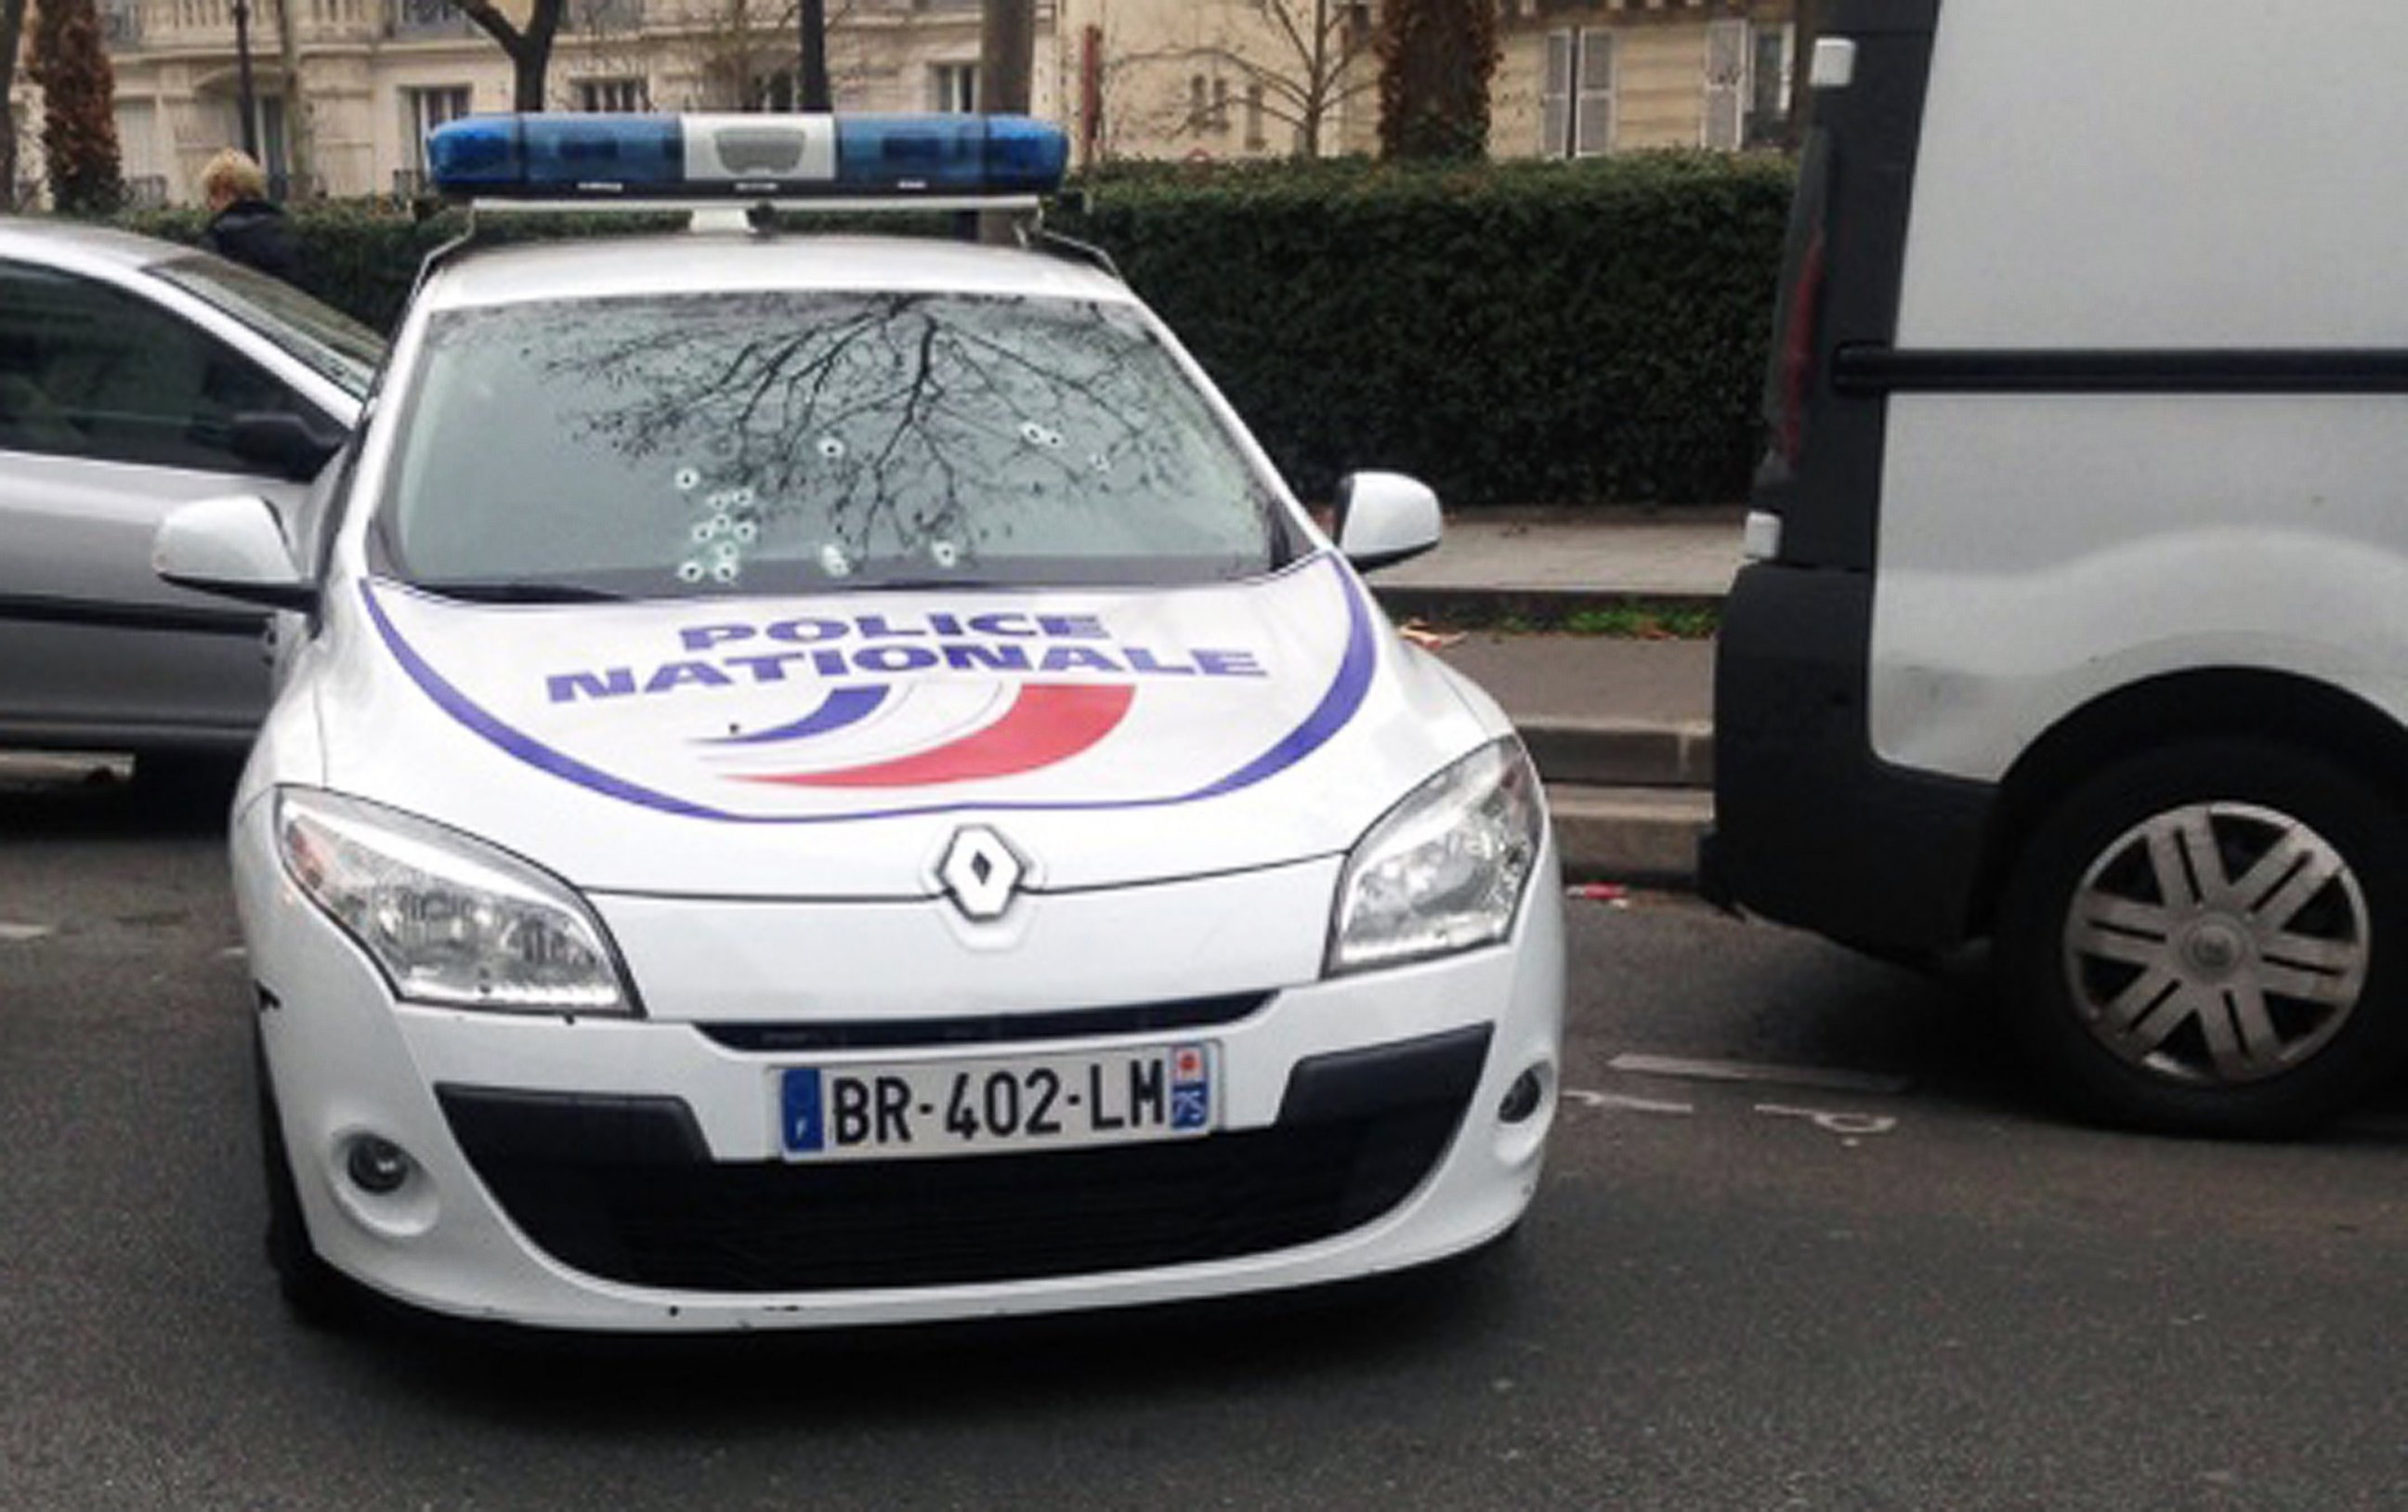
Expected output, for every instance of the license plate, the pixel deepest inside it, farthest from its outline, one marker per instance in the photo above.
(995, 1106)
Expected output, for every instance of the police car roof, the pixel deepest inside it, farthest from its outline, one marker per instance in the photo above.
(607, 267)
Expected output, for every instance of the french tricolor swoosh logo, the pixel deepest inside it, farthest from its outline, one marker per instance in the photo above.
(1042, 725)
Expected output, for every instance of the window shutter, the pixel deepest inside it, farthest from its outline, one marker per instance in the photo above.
(1555, 97)
(1596, 114)
(1726, 75)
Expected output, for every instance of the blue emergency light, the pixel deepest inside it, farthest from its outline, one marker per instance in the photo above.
(600, 158)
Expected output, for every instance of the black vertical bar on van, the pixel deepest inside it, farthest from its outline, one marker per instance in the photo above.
(1810, 827)
(1858, 182)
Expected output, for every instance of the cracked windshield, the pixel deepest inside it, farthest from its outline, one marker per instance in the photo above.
(787, 441)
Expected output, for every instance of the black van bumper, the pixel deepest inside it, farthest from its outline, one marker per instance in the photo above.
(1811, 828)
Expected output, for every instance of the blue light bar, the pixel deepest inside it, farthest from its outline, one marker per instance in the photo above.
(750, 157)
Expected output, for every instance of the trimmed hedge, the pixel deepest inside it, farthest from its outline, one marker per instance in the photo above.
(1509, 333)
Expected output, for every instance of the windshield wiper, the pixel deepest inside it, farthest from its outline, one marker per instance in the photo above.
(517, 591)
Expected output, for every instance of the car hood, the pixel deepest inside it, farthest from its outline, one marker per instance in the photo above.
(834, 746)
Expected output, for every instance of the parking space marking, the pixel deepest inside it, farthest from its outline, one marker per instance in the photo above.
(1630, 1105)
(1822, 1078)
(1848, 1126)
(19, 932)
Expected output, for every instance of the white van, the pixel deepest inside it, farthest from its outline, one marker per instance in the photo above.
(2078, 612)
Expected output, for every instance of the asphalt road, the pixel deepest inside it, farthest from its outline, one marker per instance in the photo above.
(1905, 1285)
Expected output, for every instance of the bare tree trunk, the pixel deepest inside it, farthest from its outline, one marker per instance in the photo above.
(1007, 55)
(812, 85)
(12, 31)
(529, 50)
(300, 148)
(1317, 76)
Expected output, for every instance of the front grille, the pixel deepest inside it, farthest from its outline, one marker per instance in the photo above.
(618, 1188)
(772, 1227)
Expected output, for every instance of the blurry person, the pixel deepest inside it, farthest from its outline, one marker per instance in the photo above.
(245, 225)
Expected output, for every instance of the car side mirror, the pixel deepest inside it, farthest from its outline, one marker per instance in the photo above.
(1382, 519)
(283, 443)
(233, 547)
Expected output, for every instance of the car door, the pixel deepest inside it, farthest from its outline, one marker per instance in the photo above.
(113, 410)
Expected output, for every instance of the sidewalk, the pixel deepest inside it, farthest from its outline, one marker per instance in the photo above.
(1622, 729)
(1563, 559)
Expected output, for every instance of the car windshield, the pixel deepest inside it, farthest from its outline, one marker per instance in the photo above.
(796, 441)
(329, 341)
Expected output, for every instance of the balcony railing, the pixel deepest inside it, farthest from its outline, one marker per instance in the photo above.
(211, 22)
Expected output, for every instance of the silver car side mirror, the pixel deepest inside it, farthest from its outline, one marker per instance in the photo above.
(233, 547)
(1383, 518)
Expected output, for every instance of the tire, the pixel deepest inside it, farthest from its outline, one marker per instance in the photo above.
(314, 1291)
(2206, 939)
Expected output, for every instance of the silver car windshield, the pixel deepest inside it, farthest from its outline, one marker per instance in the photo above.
(804, 441)
(330, 342)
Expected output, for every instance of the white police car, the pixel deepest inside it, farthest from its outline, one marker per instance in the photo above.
(827, 781)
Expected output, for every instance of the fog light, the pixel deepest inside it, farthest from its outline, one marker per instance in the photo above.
(1521, 1099)
(376, 1166)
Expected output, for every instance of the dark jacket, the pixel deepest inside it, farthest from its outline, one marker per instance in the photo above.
(254, 232)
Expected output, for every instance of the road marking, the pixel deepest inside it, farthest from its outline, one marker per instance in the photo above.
(1847, 1125)
(1630, 1105)
(24, 932)
(1820, 1077)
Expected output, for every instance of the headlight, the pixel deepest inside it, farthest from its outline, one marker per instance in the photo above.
(1445, 869)
(452, 920)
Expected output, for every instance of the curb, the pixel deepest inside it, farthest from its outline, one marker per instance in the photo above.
(1622, 753)
(1647, 835)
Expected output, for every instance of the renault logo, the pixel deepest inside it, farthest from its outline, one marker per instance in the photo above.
(980, 872)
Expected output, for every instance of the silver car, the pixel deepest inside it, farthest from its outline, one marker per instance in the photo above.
(136, 376)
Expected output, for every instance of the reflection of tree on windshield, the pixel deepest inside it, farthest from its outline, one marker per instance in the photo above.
(881, 426)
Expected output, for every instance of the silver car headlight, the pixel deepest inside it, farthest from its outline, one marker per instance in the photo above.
(1445, 869)
(451, 919)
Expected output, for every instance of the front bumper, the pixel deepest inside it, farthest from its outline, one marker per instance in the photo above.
(625, 1173)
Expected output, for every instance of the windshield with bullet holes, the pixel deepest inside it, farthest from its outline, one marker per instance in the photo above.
(808, 441)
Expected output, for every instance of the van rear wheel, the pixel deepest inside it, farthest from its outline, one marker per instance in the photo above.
(2205, 940)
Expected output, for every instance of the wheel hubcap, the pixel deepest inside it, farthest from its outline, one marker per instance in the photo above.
(2217, 943)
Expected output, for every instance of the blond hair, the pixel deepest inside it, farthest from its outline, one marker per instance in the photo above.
(235, 173)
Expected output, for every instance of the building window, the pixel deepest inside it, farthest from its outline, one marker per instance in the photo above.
(612, 96)
(268, 123)
(593, 17)
(1748, 83)
(1254, 136)
(1772, 51)
(427, 109)
(771, 92)
(121, 25)
(1576, 115)
(428, 17)
(953, 87)
(1208, 104)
